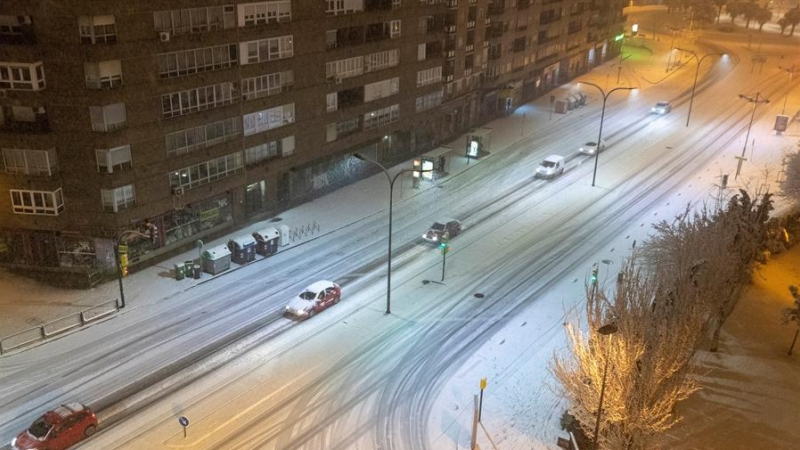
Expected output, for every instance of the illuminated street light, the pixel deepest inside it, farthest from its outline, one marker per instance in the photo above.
(391, 198)
(605, 330)
(602, 116)
(755, 101)
(696, 72)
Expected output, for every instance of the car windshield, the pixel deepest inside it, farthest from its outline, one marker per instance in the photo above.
(548, 164)
(591, 144)
(40, 428)
(308, 295)
(437, 226)
(662, 104)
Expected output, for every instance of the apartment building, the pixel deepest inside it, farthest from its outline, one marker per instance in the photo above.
(122, 116)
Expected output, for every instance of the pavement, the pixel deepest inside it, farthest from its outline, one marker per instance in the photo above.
(26, 304)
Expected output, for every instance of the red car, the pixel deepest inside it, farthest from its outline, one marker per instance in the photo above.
(58, 429)
(314, 299)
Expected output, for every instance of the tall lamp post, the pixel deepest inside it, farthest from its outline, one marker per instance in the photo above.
(391, 198)
(602, 116)
(755, 101)
(696, 73)
(605, 330)
(122, 237)
(791, 73)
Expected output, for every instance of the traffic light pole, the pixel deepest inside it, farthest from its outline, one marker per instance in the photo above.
(444, 261)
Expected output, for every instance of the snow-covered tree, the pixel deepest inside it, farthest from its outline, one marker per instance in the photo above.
(646, 361)
(790, 186)
(793, 315)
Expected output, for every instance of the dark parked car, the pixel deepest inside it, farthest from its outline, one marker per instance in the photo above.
(434, 234)
(58, 429)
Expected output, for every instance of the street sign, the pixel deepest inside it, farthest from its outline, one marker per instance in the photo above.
(123, 248)
(483, 383)
(781, 122)
(184, 421)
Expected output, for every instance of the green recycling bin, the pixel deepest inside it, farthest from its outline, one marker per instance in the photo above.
(187, 267)
(180, 271)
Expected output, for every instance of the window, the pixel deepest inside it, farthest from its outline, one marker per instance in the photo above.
(264, 12)
(109, 160)
(266, 50)
(43, 203)
(268, 119)
(108, 118)
(97, 29)
(381, 117)
(206, 172)
(191, 139)
(429, 76)
(332, 101)
(283, 147)
(429, 101)
(30, 162)
(394, 29)
(337, 7)
(196, 60)
(195, 20)
(17, 29)
(103, 74)
(266, 85)
(381, 89)
(119, 199)
(345, 68)
(380, 60)
(22, 77)
(197, 99)
(341, 129)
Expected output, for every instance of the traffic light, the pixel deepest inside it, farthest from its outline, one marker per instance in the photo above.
(444, 248)
(593, 277)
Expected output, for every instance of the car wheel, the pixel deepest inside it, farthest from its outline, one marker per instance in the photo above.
(89, 431)
(336, 300)
(311, 313)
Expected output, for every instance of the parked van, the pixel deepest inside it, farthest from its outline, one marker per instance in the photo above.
(551, 167)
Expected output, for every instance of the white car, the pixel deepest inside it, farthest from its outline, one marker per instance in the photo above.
(661, 108)
(590, 148)
(314, 299)
(551, 167)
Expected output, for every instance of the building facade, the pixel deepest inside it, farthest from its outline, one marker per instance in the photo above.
(120, 116)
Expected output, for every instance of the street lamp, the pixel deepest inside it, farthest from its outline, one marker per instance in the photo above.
(755, 101)
(391, 198)
(602, 116)
(791, 73)
(605, 330)
(696, 72)
(117, 242)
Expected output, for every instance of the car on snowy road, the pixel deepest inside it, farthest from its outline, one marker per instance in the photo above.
(551, 167)
(662, 108)
(590, 148)
(315, 298)
(447, 227)
(58, 429)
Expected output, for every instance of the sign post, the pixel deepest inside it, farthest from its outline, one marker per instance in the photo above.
(184, 423)
(480, 404)
(444, 247)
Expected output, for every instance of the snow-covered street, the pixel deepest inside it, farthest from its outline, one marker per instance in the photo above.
(219, 351)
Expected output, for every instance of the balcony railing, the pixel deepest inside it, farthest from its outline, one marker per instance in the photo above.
(469, 48)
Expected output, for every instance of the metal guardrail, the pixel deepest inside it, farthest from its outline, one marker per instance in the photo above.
(57, 326)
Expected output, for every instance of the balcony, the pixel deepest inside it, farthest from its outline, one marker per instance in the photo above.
(470, 24)
(31, 120)
(523, 4)
(485, 44)
(448, 79)
(450, 28)
(468, 72)
(377, 5)
(469, 48)
(453, 4)
(487, 21)
(450, 54)
(497, 7)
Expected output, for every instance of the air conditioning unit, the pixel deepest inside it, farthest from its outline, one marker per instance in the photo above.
(177, 190)
(164, 36)
(338, 80)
